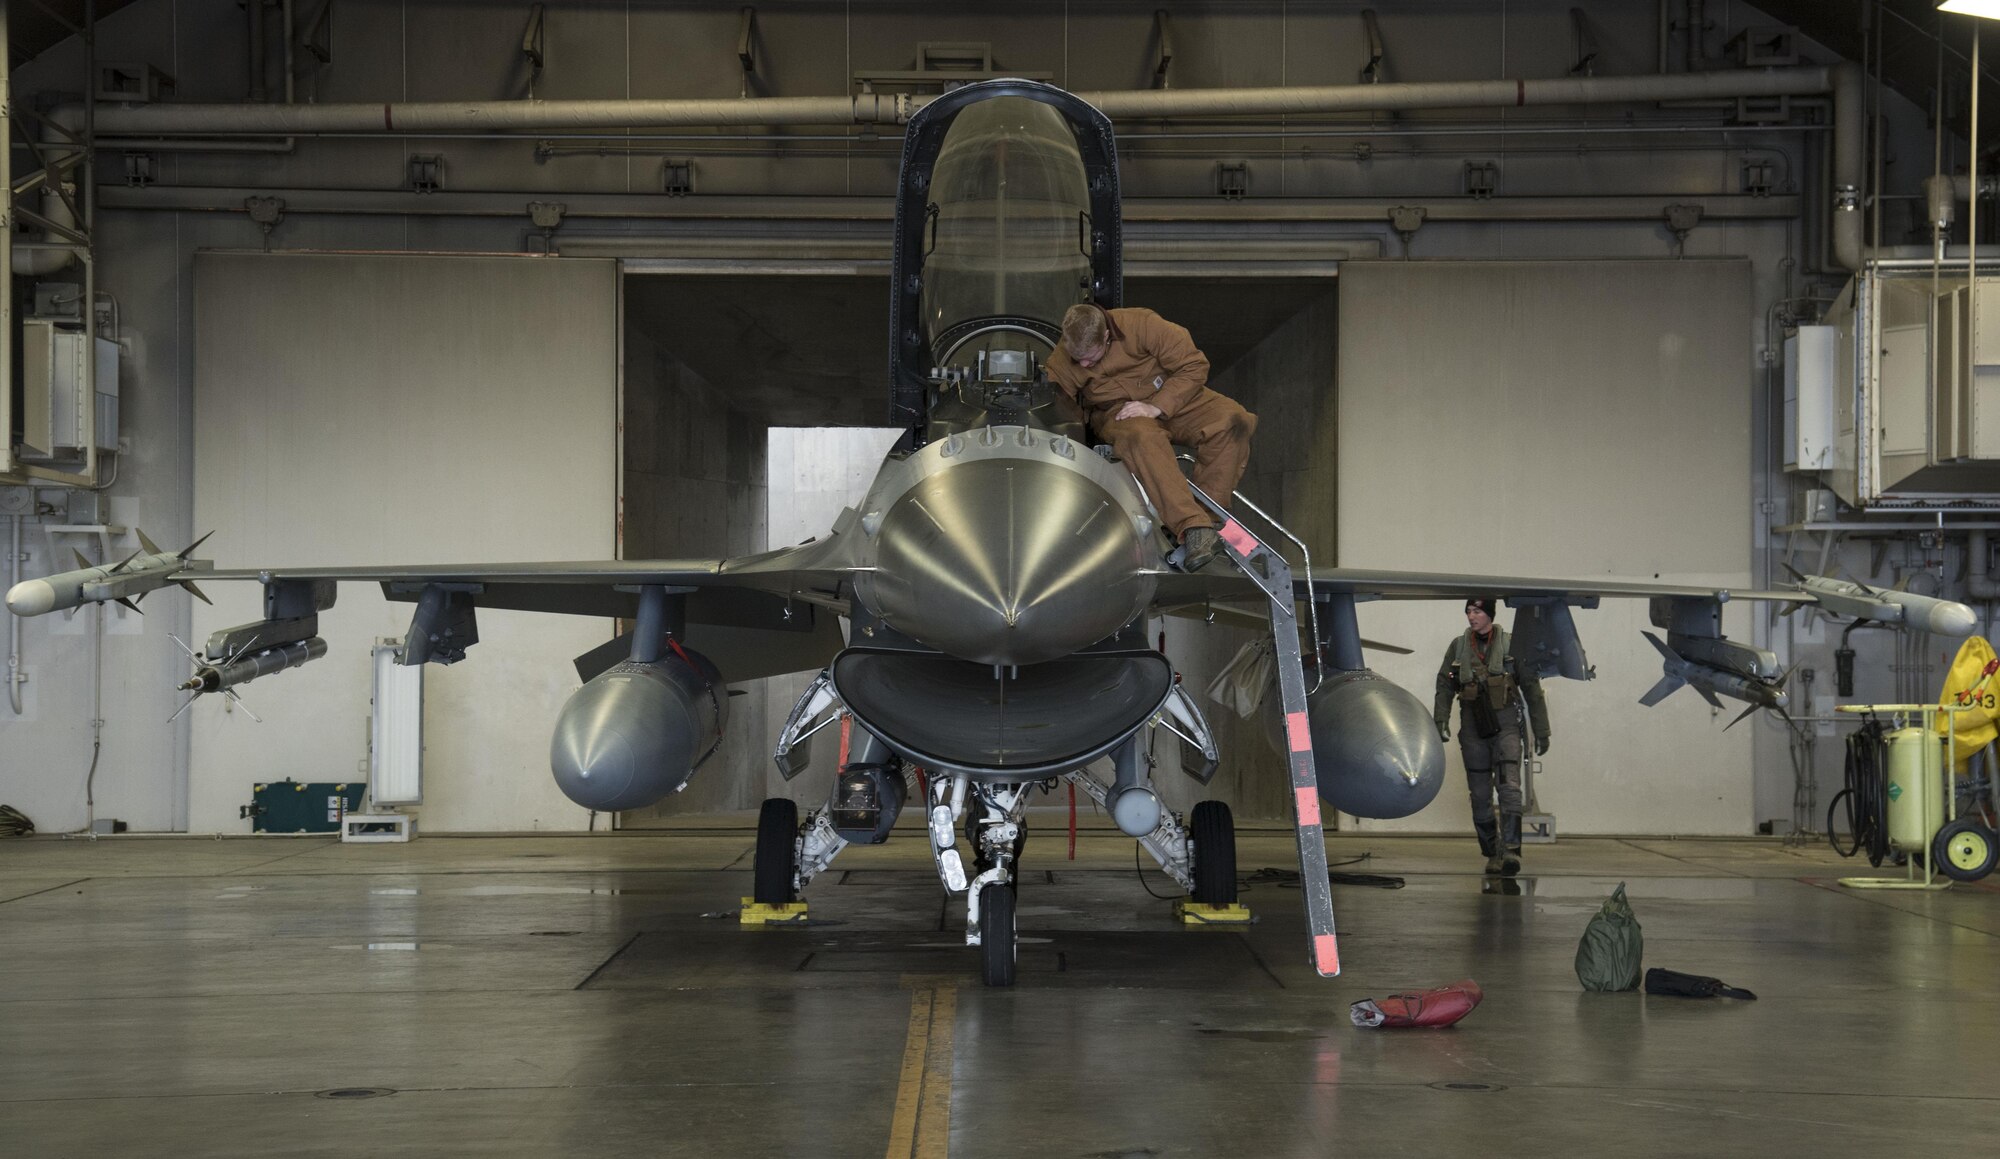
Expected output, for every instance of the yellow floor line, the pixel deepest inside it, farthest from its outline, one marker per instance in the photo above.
(921, 1128)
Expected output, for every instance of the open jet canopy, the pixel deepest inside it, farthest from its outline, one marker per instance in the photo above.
(1006, 216)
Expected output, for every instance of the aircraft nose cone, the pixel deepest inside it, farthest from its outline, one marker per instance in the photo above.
(31, 598)
(1008, 561)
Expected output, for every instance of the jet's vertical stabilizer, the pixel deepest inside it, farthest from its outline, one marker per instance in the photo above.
(1006, 216)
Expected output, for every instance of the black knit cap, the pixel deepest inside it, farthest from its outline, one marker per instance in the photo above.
(1487, 605)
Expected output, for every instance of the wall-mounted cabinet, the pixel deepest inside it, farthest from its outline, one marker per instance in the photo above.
(1915, 413)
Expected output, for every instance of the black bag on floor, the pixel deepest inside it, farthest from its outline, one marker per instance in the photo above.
(1681, 985)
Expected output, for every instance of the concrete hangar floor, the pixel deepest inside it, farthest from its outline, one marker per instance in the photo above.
(535, 996)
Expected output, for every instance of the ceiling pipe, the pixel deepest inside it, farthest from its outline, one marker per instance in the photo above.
(1844, 81)
(169, 118)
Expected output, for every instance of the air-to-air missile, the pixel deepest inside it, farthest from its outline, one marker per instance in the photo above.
(1887, 606)
(244, 669)
(1741, 673)
(126, 582)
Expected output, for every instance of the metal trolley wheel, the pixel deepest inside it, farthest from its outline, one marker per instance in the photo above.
(1964, 850)
(777, 852)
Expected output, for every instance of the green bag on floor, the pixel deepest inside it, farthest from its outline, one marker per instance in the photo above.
(1609, 956)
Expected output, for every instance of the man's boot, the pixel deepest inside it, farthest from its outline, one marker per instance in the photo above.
(1202, 544)
(1510, 836)
(1489, 843)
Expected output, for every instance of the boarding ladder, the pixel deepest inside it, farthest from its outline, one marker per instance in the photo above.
(1270, 572)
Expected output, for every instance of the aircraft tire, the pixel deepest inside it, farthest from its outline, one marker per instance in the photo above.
(996, 934)
(777, 847)
(1213, 831)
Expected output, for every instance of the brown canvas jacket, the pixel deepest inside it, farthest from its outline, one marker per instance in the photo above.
(1151, 360)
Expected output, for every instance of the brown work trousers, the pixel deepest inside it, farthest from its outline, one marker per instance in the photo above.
(1214, 425)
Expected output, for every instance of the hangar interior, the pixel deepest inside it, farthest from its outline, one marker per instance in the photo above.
(1680, 293)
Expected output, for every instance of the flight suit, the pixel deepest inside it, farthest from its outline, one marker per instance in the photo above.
(1152, 360)
(1483, 678)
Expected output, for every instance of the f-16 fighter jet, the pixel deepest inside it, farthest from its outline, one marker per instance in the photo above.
(996, 583)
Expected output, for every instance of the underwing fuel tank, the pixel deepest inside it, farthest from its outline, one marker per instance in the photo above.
(1375, 744)
(637, 732)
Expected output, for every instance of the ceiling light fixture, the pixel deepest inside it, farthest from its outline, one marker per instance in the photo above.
(1990, 9)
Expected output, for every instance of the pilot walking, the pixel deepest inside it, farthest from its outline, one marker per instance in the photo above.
(1481, 672)
(1144, 385)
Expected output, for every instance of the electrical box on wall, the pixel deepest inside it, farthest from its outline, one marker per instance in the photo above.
(1809, 371)
(57, 421)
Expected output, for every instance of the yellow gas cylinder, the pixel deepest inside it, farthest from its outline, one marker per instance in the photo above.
(1916, 792)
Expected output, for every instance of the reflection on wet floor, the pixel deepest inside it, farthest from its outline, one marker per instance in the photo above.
(524, 997)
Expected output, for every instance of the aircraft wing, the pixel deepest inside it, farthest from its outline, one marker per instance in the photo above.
(757, 615)
(1219, 583)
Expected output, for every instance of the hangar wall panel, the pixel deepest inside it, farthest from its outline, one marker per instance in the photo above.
(402, 409)
(1574, 418)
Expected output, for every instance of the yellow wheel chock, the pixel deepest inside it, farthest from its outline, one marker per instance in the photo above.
(756, 913)
(1194, 913)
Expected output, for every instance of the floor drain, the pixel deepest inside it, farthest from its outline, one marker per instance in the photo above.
(354, 1093)
(1467, 1087)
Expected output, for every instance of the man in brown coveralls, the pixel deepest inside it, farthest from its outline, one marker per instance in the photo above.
(1143, 383)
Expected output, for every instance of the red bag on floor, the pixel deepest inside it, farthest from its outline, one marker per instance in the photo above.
(1440, 1007)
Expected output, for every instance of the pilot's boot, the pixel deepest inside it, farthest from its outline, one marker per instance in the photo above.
(1489, 842)
(1510, 835)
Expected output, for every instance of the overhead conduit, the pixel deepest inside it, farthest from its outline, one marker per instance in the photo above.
(1844, 81)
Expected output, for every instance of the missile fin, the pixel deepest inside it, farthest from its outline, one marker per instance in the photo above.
(120, 565)
(185, 705)
(238, 701)
(1707, 694)
(187, 551)
(151, 547)
(196, 592)
(1669, 653)
(1796, 573)
(1740, 716)
(1667, 686)
(81, 562)
(1856, 581)
(128, 603)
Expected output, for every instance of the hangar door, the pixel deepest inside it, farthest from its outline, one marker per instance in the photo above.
(382, 409)
(1561, 419)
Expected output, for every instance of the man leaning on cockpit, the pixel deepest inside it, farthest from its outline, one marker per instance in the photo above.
(1144, 384)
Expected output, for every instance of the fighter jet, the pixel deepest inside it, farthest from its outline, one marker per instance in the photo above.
(996, 583)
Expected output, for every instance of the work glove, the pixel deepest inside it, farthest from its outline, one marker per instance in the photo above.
(1541, 745)
(1444, 731)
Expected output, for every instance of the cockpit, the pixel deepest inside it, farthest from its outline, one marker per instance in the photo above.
(1006, 217)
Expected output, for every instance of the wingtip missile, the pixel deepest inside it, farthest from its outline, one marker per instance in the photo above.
(1890, 606)
(125, 582)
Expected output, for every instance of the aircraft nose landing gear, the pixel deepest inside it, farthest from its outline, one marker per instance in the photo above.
(993, 823)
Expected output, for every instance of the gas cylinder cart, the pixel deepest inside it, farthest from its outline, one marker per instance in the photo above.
(1907, 802)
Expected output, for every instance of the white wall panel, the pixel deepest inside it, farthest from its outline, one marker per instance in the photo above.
(1569, 419)
(402, 409)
